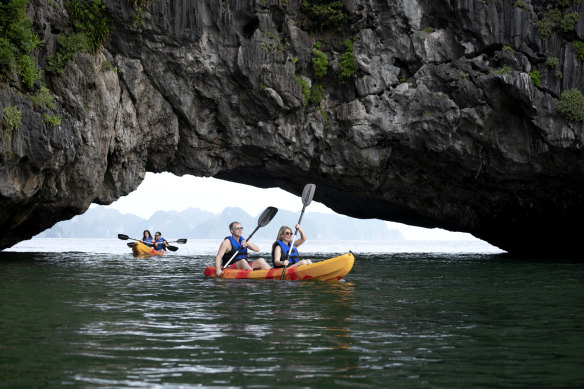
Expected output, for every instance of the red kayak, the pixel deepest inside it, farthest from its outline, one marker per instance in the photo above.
(328, 270)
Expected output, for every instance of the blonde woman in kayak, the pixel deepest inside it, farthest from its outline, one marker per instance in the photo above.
(281, 247)
(229, 246)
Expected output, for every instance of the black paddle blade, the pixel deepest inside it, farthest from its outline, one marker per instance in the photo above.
(267, 216)
(181, 241)
(172, 248)
(130, 244)
(308, 193)
(123, 237)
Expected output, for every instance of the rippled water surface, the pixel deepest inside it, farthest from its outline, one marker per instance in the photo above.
(399, 320)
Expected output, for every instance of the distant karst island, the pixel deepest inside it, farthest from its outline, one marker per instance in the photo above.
(193, 223)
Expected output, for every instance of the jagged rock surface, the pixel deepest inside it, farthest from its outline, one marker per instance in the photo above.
(425, 133)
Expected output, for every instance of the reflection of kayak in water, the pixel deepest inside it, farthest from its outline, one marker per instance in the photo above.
(141, 250)
(328, 270)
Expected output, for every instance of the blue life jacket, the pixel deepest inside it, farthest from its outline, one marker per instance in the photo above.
(148, 242)
(160, 246)
(294, 256)
(242, 254)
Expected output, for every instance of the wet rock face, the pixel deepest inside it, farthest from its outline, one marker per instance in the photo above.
(440, 126)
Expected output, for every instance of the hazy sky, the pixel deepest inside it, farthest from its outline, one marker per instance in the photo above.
(168, 192)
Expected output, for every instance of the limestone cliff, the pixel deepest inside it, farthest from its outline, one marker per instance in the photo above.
(441, 124)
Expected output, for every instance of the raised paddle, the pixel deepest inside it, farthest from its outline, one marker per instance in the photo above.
(263, 221)
(171, 248)
(307, 195)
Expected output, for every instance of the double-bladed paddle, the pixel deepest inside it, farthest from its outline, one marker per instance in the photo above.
(263, 221)
(307, 195)
(171, 248)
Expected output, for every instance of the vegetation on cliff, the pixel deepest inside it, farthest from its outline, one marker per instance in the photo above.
(571, 105)
(91, 30)
(17, 43)
(11, 117)
(323, 14)
(560, 17)
(319, 16)
(347, 66)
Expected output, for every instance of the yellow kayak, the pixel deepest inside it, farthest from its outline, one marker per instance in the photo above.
(141, 250)
(332, 269)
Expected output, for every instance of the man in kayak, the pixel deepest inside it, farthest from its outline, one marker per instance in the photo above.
(160, 243)
(147, 238)
(230, 245)
(281, 247)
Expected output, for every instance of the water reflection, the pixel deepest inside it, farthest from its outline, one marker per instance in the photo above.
(273, 322)
(108, 321)
(342, 296)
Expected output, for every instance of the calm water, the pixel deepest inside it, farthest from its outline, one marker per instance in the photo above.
(455, 319)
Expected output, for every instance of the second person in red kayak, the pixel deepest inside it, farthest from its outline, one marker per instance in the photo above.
(281, 247)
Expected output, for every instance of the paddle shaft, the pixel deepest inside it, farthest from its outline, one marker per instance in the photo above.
(292, 243)
(170, 247)
(237, 251)
(126, 237)
(307, 195)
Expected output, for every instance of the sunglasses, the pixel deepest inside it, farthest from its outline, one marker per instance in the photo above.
(287, 233)
(238, 228)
